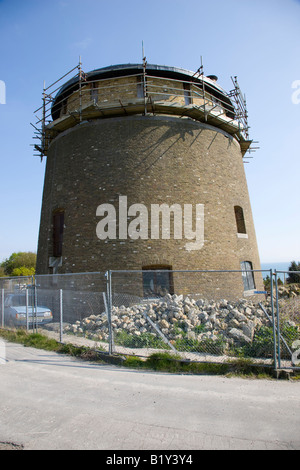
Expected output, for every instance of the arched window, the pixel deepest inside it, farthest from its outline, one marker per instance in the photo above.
(58, 230)
(248, 275)
(239, 218)
(157, 280)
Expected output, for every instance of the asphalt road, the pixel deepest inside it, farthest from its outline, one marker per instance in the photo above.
(49, 401)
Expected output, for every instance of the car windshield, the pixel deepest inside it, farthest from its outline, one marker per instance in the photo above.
(15, 300)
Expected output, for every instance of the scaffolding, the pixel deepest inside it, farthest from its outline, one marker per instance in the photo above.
(65, 105)
(44, 113)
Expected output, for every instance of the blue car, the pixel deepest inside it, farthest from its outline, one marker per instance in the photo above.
(15, 312)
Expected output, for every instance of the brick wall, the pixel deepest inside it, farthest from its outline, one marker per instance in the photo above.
(151, 160)
(126, 89)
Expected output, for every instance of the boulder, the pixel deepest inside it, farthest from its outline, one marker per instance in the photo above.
(239, 336)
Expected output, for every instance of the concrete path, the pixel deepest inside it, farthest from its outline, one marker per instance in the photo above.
(50, 401)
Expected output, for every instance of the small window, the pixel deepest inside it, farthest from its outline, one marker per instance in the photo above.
(187, 93)
(217, 106)
(58, 230)
(64, 107)
(247, 275)
(158, 281)
(240, 221)
(140, 87)
(94, 92)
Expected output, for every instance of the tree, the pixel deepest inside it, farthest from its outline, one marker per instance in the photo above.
(267, 282)
(294, 278)
(23, 271)
(20, 264)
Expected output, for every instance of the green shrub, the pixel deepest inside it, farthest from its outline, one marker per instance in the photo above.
(261, 346)
(163, 361)
(145, 340)
(36, 340)
(134, 362)
(207, 346)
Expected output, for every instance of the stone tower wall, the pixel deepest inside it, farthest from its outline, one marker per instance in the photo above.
(150, 160)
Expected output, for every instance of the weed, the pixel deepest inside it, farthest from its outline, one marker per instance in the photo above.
(159, 361)
(38, 341)
(145, 340)
(134, 362)
(163, 361)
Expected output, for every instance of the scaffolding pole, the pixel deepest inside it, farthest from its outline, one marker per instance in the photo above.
(144, 78)
(80, 89)
(44, 111)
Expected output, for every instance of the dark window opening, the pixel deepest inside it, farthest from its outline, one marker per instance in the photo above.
(158, 281)
(94, 92)
(58, 230)
(240, 221)
(187, 93)
(247, 275)
(64, 107)
(140, 87)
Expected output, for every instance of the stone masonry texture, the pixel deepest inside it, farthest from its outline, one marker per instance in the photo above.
(151, 160)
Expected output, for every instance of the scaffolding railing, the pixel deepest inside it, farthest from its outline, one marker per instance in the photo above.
(44, 113)
(137, 93)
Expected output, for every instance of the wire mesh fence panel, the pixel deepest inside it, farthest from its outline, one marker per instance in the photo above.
(15, 284)
(77, 304)
(194, 314)
(288, 318)
(211, 316)
(17, 302)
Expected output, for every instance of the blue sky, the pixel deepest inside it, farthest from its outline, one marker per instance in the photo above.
(259, 41)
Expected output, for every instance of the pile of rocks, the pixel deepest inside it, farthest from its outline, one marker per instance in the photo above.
(289, 291)
(179, 317)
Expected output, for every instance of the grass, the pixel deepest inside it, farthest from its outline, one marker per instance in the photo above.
(38, 341)
(166, 362)
(160, 361)
(262, 345)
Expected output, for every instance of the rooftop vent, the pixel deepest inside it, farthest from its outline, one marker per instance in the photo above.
(214, 78)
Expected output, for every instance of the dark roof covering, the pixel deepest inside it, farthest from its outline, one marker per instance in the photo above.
(133, 69)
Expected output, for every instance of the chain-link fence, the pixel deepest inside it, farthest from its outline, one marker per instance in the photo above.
(17, 302)
(287, 307)
(194, 315)
(188, 313)
(76, 301)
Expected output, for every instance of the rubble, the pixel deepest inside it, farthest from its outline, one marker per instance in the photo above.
(177, 317)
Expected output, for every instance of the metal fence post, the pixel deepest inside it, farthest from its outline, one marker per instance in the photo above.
(2, 308)
(32, 300)
(35, 320)
(278, 326)
(27, 304)
(273, 318)
(61, 315)
(109, 308)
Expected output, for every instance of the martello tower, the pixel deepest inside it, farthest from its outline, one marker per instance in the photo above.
(145, 171)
